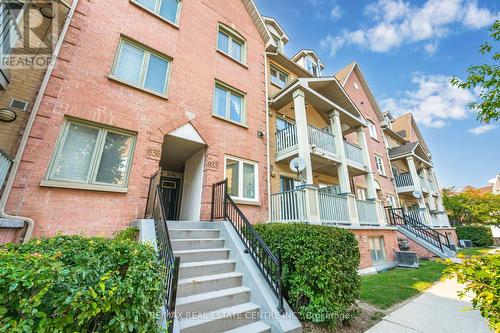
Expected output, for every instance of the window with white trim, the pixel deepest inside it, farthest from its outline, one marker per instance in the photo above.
(278, 77)
(91, 154)
(229, 103)
(312, 67)
(379, 162)
(141, 67)
(242, 181)
(377, 249)
(231, 44)
(391, 200)
(361, 193)
(372, 129)
(167, 9)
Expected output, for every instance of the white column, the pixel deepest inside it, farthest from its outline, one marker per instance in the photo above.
(369, 178)
(311, 193)
(418, 187)
(430, 199)
(342, 170)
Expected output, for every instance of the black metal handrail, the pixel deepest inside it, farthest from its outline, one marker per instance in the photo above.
(398, 217)
(166, 255)
(269, 264)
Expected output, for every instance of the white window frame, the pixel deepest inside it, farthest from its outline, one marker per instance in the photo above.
(380, 166)
(241, 161)
(156, 11)
(95, 162)
(278, 72)
(309, 61)
(144, 68)
(361, 193)
(233, 37)
(381, 243)
(230, 91)
(373, 130)
(391, 199)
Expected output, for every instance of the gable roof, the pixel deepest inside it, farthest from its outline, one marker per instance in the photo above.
(344, 74)
(412, 148)
(272, 22)
(307, 52)
(257, 20)
(407, 123)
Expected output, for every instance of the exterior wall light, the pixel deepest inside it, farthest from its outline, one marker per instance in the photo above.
(7, 115)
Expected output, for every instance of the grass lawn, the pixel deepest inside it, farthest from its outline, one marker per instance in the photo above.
(388, 288)
(474, 251)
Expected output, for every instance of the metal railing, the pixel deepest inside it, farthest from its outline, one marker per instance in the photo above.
(321, 139)
(418, 215)
(333, 208)
(269, 264)
(154, 181)
(367, 212)
(289, 206)
(166, 256)
(403, 179)
(5, 164)
(398, 217)
(353, 152)
(286, 138)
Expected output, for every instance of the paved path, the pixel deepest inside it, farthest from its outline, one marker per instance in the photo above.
(437, 310)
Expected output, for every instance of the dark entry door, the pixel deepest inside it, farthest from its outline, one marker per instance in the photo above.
(171, 189)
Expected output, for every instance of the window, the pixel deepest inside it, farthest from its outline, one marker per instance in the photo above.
(278, 77)
(167, 9)
(141, 68)
(312, 67)
(231, 44)
(241, 179)
(12, 13)
(391, 200)
(282, 124)
(379, 162)
(361, 193)
(395, 171)
(377, 249)
(278, 43)
(372, 129)
(229, 104)
(90, 154)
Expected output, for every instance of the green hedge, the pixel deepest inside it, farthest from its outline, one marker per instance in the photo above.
(77, 284)
(321, 281)
(479, 235)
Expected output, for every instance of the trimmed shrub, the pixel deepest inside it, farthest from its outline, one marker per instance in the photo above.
(481, 277)
(77, 284)
(479, 235)
(320, 270)
(127, 234)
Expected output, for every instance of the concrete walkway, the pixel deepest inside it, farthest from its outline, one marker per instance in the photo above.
(438, 309)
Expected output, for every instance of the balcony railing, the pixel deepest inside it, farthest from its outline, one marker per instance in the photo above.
(289, 206)
(353, 152)
(367, 212)
(333, 208)
(5, 163)
(404, 180)
(286, 139)
(418, 215)
(321, 139)
(423, 183)
(432, 186)
(10, 31)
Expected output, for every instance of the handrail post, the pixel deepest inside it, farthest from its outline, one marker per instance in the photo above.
(225, 199)
(173, 294)
(281, 308)
(213, 204)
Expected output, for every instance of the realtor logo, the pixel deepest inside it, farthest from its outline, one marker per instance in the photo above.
(29, 32)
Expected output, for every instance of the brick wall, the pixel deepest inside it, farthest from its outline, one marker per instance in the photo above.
(390, 241)
(80, 87)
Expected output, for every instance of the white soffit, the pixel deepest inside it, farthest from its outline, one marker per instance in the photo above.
(187, 132)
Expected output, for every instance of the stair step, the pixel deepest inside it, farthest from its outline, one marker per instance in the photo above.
(193, 233)
(222, 319)
(192, 269)
(257, 327)
(206, 302)
(189, 225)
(197, 244)
(207, 283)
(202, 255)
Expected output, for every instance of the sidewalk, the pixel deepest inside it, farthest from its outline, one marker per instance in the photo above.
(438, 310)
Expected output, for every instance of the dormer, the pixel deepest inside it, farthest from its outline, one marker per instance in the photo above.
(388, 119)
(309, 60)
(279, 35)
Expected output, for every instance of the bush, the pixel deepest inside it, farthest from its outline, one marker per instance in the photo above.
(320, 269)
(77, 284)
(480, 236)
(481, 276)
(127, 234)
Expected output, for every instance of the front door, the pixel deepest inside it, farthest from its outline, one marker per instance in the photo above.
(171, 191)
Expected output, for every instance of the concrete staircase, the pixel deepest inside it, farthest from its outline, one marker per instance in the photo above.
(444, 254)
(211, 297)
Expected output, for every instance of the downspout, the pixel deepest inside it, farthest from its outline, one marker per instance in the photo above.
(268, 135)
(29, 125)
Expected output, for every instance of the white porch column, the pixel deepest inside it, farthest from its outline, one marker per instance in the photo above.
(342, 170)
(430, 199)
(299, 103)
(418, 187)
(369, 178)
(311, 192)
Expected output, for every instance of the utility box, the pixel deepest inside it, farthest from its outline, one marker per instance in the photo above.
(407, 259)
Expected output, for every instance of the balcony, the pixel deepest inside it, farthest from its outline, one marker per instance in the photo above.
(432, 186)
(289, 206)
(333, 208)
(423, 184)
(367, 212)
(353, 152)
(404, 182)
(287, 141)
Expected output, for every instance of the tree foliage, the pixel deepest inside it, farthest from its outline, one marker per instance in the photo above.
(486, 77)
(472, 207)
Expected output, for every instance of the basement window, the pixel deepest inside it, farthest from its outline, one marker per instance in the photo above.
(87, 153)
(377, 250)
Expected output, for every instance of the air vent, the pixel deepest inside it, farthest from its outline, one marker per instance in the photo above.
(407, 259)
(465, 243)
(18, 105)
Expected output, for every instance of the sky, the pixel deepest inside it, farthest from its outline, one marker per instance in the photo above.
(407, 51)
